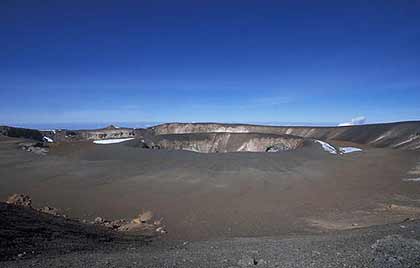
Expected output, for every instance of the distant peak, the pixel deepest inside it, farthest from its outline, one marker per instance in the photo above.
(111, 127)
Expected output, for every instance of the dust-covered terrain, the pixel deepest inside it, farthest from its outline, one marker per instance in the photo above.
(211, 184)
(33, 239)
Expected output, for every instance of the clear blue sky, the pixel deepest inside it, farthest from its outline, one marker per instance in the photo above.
(232, 61)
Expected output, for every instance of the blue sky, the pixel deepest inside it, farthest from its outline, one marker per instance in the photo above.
(225, 61)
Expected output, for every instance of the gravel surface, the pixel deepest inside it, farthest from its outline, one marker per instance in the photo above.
(394, 245)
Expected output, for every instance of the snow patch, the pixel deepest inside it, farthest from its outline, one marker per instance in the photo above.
(347, 150)
(47, 139)
(327, 147)
(342, 150)
(192, 150)
(380, 138)
(243, 147)
(112, 141)
(412, 179)
(410, 139)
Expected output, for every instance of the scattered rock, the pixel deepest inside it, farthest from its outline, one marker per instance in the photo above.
(99, 220)
(278, 148)
(161, 230)
(20, 200)
(158, 222)
(260, 262)
(35, 147)
(396, 251)
(109, 224)
(407, 220)
(144, 222)
(51, 210)
(21, 255)
(247, 261)
(115, 224)
(143, 217)
(401, 208)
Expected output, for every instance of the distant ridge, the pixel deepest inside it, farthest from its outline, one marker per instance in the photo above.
(399, 135)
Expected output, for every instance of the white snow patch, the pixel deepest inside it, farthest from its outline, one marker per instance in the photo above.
(410, 139)
(112, 141)
(379, 138)
(347, 150)
(47, 139)
(191, 150)
(243, 147)
(327, 147)
(412, 179)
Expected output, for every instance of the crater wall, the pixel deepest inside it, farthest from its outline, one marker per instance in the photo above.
(401, 135)
(229, 142)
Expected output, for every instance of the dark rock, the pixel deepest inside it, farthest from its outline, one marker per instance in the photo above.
(22, 133)
(34, 147)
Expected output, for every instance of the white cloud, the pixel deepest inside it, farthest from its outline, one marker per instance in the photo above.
(360, 120)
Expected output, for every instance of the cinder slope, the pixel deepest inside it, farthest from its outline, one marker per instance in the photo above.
(26, 232)
(370, 247)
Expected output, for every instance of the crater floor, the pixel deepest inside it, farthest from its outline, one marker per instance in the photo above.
(207, 196)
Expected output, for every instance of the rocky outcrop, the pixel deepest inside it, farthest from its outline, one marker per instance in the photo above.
(144, 223)
(26, 133)
(20, 200)
(228, 142)
(110, 132)
(52, 211)
(34, 147)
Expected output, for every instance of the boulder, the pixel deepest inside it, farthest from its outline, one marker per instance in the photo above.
(20, 200)
(99, 220)
(115, 224)
(50, 210)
